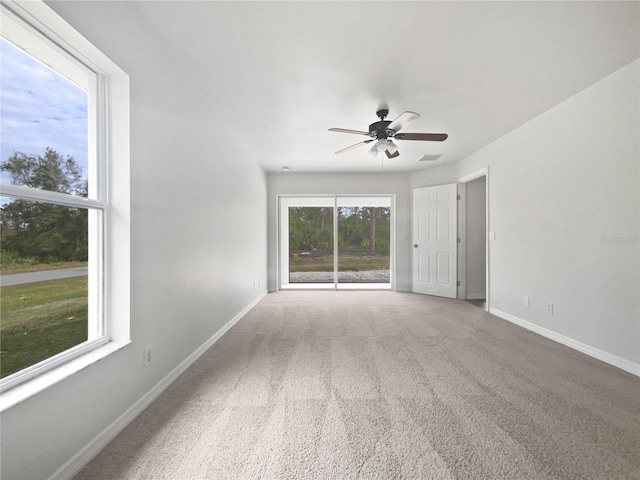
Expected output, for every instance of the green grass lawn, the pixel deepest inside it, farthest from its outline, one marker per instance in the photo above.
(41, 319)
(347, 262)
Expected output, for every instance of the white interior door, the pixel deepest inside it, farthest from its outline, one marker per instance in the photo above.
(435, 226)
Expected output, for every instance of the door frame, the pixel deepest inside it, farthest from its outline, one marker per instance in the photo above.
(329, 200)
(483, 172)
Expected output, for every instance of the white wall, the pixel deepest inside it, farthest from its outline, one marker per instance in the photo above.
(564, 205)
(475, 238)
(366, 183)
(198, 223)
(433, 176)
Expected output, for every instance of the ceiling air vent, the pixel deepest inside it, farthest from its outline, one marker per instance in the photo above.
(429, 158)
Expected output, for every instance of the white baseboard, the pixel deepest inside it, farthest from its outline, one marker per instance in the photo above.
(626, 365)
(84, 456)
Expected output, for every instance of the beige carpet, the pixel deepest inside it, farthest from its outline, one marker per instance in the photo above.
(383, 385)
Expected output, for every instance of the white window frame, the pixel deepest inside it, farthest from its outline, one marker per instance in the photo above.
(110, 249)
(333, 201)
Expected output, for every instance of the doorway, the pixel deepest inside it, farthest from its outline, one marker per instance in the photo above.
(336, 242)
(473, 249)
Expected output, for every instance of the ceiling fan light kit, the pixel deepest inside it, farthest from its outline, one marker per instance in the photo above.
(391, 147)
(383, 145)
(383, 131)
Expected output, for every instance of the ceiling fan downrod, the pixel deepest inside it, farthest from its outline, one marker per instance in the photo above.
(382, 113)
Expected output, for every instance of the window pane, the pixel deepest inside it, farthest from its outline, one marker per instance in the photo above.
(364, 237)
(311, 245)
(44, 297)
(44, 119)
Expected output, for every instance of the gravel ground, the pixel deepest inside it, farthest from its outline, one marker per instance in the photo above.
(365, 276)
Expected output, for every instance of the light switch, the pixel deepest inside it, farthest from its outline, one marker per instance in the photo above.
(492, 235)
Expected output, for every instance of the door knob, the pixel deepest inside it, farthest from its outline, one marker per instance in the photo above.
(415, 245)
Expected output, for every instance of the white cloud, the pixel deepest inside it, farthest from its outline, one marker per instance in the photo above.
(39, 109)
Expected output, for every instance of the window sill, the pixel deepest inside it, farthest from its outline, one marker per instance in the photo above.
(20, 393)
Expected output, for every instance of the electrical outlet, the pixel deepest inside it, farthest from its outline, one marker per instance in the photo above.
(147, 356)
(526, 300)
(550, 308)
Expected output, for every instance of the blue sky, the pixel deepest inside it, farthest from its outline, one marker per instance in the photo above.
(39, 109)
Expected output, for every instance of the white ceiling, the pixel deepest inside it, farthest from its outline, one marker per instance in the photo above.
(282, 73)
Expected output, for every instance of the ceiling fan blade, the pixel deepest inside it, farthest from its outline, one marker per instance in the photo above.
(345, 130)
(392, 155)
(431, 137)
(403, 120)
(346, 149)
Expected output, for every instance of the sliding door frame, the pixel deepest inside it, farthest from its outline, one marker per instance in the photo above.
(327, 200)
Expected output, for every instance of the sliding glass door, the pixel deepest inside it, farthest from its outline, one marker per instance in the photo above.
(336, 242)
(364, 241)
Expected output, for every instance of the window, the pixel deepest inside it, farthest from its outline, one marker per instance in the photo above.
(64, 199)
(336, 242)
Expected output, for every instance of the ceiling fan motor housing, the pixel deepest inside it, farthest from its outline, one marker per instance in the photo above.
(380, 130)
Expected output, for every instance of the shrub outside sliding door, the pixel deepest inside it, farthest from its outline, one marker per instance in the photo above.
(364, 246)
(336, 242)
(311, 257)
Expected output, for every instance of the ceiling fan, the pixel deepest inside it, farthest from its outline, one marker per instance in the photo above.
(384, 131)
